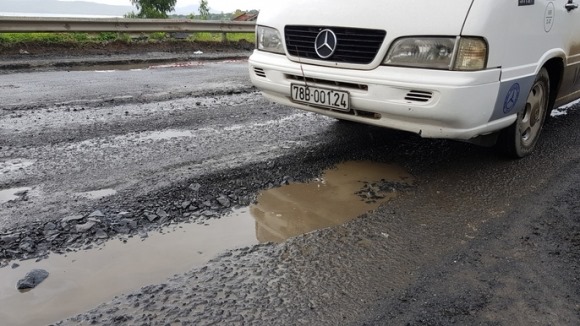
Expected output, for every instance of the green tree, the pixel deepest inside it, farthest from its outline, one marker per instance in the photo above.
(203, 9)
(153, 8)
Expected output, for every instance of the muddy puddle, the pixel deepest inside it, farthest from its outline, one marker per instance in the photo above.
(97, 194)
(80, 281)
(340, 195)
(111, 68)
(7, 195)
(563, 110)
(134, 66)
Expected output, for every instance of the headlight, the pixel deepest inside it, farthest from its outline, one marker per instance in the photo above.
(269, 40)
(463, 53)
(429, 52)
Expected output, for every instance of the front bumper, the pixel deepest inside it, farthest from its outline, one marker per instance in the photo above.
(431, 103)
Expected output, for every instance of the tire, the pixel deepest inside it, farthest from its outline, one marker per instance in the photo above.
(520, 139)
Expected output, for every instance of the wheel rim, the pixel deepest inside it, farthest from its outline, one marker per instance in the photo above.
(530, 122)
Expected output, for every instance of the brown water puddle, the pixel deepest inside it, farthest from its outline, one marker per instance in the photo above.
(295, 209)
(80, 281)
(136, 66)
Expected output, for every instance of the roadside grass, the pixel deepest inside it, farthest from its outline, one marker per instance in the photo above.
(219, 37)
(55, 38)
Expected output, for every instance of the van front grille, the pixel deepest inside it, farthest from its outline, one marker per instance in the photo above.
(354, 45)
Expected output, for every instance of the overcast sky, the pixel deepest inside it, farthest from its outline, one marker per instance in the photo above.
(214, 5)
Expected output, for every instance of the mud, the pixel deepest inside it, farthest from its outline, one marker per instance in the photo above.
(64, 50)
(462, 197)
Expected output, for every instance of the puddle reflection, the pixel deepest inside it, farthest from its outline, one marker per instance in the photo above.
(295, 209)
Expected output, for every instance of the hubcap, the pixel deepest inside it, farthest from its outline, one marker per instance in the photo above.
(530, 122)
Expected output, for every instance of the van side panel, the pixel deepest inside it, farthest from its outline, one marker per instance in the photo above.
(519, 36)
(570, 89)
(522, 38)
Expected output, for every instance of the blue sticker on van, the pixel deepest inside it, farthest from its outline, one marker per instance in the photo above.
(511, 98)
(526, 2)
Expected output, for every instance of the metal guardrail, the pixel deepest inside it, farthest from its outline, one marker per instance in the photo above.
(128, 25)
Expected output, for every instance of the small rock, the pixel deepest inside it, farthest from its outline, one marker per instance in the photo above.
(82, 228)
(224, 201)
(52, 236)
(209, 214)
(15, 265)
(49, 226)
(97, 214)
(185, 204)
(32, 279)
(10, 238)
(125, 215)
(72, 218)
(195, 187)
(150, 216)
(161, 213)
(193, 208)
(27, 246)
(50, 233)
(73, 238)
(101, 234)
(129, 223)
(24, 52)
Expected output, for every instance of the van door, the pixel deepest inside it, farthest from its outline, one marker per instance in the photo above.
(570, 89)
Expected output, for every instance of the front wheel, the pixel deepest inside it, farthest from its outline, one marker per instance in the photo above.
(520, 139)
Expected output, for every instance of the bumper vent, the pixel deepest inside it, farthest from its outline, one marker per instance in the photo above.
(260, 72)
(354, 45)
(419, 96)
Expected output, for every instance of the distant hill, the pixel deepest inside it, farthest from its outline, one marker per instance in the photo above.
(63, 7)
(186, 10)
(55, 7)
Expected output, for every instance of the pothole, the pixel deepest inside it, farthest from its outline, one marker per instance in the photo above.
(81, 280)
(13, 194)
(97, 194)
(111, 67)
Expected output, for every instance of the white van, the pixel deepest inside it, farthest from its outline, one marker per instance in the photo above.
(475, 70)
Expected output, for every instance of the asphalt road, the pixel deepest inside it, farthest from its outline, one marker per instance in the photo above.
(461, 236)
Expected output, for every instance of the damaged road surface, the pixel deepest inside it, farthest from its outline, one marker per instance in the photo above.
(179, 195)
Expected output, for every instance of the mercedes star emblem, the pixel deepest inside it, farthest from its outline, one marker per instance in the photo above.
(325, 44)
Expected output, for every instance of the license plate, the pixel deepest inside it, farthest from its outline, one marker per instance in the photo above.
(328, 98)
